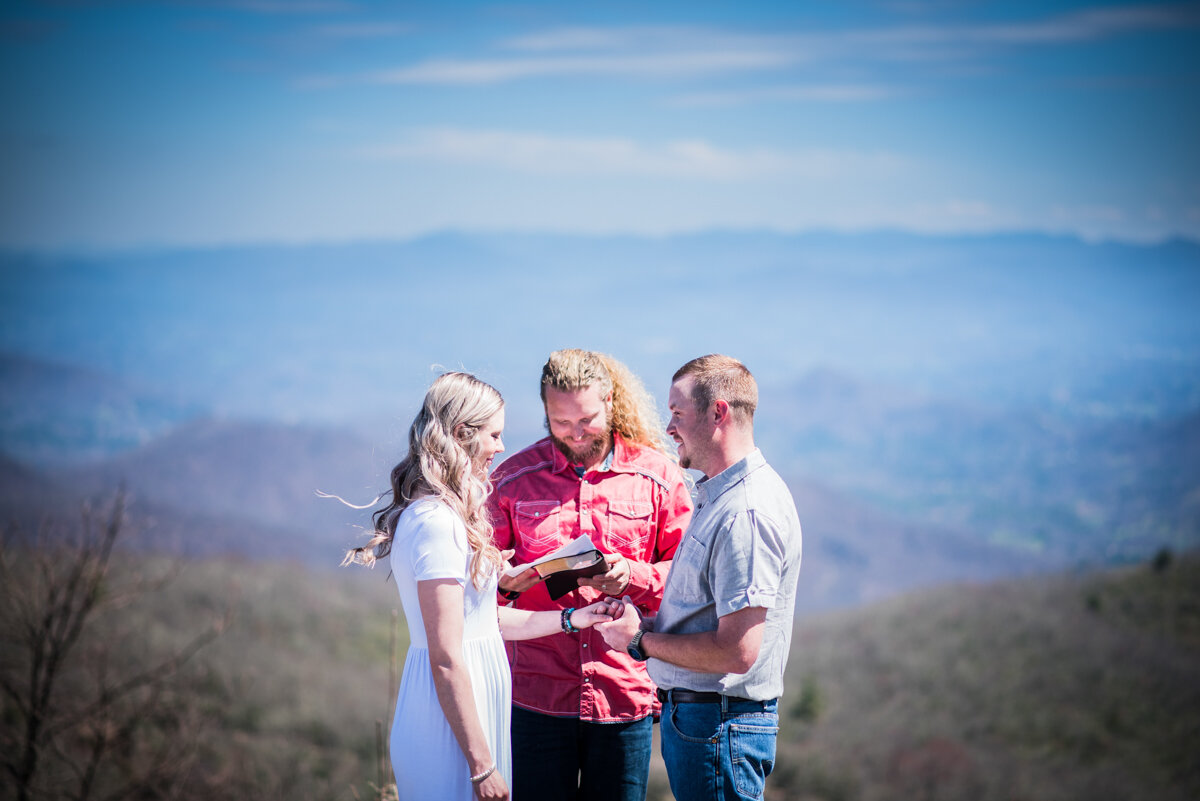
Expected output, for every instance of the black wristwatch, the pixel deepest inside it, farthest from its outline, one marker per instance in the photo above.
(634, 648)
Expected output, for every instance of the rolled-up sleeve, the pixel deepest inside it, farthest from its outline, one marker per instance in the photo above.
(748, 562)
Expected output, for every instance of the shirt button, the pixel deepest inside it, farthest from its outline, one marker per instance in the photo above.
(585, 645)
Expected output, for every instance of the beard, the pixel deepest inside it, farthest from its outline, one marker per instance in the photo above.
(584, 453)
(686, 454)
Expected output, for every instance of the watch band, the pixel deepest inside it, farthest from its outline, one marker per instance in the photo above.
(634, 648)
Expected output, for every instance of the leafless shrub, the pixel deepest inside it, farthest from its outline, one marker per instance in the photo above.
(87, 714)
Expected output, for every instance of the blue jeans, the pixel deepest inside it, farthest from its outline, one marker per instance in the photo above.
(719, 751)
(566, 759)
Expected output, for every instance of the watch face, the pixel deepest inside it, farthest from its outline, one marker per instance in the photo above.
(635, 647)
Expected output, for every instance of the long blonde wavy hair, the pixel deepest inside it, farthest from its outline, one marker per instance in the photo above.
(443, 443)
(633, 414)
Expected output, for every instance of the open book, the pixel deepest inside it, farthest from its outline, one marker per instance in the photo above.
(577, 559)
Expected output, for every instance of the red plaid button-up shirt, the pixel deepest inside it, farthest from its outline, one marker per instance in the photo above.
(637, 505)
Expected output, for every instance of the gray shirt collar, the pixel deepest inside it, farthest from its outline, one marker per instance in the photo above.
(708, 489)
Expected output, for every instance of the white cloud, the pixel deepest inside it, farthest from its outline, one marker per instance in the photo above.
(488, 71)
(672, 51)
(1078, 25)
(819, 93)
(660, 39)
(626, 37)
(557, 155)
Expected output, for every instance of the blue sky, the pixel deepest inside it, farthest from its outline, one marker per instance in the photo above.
(180, 124)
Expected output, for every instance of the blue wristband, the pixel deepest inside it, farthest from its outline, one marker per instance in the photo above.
(566, 621)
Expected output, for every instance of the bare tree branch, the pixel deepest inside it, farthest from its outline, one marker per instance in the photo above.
(128, 735)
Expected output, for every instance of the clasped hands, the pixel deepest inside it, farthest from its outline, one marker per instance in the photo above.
(616, 620)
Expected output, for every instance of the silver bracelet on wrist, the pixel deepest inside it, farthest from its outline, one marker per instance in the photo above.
(477, 778)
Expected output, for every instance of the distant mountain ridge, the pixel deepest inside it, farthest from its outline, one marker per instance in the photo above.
(263, 472)
(895, 488)
(303, 332)
(1088, 490)
(52, 413)
(249, 488)
(855, 553)
(1015, 401)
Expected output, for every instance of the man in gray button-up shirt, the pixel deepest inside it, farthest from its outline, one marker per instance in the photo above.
(718, 647)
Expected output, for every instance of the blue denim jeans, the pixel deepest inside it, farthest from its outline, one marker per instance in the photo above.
(719, 751)
(566, 759)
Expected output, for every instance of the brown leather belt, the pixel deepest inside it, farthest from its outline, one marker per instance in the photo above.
(678, 696)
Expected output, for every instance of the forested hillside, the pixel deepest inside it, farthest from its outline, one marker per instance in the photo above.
(1041, 689)
(1053, 688)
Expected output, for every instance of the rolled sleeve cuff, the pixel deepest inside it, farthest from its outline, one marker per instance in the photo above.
(752, 597)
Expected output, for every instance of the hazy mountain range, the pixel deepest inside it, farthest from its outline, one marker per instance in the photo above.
(943, 408)
(213, 487)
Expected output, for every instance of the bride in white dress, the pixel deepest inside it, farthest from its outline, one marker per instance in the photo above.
(450, 734)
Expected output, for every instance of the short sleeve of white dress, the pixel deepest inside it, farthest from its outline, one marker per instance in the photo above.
(437, 543)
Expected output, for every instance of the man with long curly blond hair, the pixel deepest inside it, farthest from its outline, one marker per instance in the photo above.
(582, 712)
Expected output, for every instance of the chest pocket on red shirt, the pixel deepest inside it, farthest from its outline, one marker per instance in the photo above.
(630, 524)
(538, 523)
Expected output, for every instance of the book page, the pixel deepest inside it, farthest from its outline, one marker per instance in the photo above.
(578, 545)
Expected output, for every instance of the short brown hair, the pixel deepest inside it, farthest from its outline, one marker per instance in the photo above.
(717, 377)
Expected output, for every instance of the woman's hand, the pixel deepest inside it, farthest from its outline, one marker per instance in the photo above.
(599, 612)
(493, 788)
(519, 582)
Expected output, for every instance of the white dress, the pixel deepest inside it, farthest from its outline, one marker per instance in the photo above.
(431, 543)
